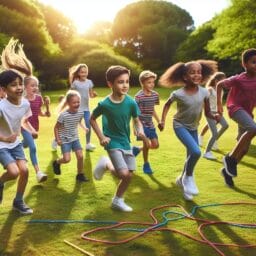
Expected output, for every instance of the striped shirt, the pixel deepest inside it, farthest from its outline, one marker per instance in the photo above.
(69, 122)
(35, 106)
(146, 105)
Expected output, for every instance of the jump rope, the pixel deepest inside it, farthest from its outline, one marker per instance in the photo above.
(159, 226)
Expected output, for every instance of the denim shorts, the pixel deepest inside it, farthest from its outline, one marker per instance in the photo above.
(122, 159)
(149, 133)
(73, 145)
(8, 155)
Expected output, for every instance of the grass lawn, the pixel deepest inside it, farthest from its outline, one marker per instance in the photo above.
(62, 198)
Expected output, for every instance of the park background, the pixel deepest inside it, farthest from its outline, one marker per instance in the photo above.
(144, 35)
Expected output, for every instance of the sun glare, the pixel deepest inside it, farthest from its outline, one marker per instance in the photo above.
(85, 13)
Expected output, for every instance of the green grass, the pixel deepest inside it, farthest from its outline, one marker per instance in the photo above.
(61, 198)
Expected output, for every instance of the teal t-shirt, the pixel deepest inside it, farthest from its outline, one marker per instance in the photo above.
(116, 119)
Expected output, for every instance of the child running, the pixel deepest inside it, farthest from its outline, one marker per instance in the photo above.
(13, 109)
(146, 99)
(66, 134)
(241, 101)
(190, 101)
(79, 82)
(212, 124)
(117, 109)
(35, 100)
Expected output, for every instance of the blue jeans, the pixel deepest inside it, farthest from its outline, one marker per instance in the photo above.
(189, 139)
(28, 141)
(88, 125)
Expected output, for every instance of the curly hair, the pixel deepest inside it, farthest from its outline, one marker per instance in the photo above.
(174, 75)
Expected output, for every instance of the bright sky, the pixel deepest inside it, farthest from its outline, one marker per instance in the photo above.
(85, 12)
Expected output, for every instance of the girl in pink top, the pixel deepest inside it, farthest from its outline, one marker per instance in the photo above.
(36, 102)
(240, 103)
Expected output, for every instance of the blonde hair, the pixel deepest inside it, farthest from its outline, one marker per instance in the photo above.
(64, 102)
(215, 78)
(144, 75)
(74, 70)
(16, 59)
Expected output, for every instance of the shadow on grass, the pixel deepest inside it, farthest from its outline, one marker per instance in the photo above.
(241, 191)
(49, 201)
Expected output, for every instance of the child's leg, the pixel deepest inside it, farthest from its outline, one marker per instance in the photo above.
(224, 127)
(213, 127)
(66, 157)
(204, 130)
(145, 150)
(88, 125)
(23, 179)
(28, 140)
(190, 140)
(12, 172)
(246, 121)
(80, 161)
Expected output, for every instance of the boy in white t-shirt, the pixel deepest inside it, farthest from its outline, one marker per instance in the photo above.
(12, 110)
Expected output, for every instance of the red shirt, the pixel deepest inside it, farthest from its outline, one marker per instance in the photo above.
(242, 93)
(35, 106)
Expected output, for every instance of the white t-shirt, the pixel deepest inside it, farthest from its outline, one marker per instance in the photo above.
(83, 87)
(212, 99)
(10, 119)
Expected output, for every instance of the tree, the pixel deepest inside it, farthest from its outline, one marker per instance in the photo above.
(150, 32)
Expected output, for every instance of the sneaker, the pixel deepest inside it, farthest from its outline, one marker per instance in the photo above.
(90, 147)
(230, 164)
(228, 179)
(54, 145)
(41, 177)
(1, 192)
(100, 167)
(200, 140)
(186, 196)
(215, 145)
(56, 167)
(147, 169)
(81, 177)
(189, 185)
(135, 150)
(21, 207)
(208, 155)
(119, 204)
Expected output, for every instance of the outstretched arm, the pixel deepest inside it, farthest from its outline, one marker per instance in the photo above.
(56, 133)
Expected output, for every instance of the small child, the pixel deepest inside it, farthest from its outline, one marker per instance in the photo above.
(117, 109)
(146, 99)
(36, 101)
(191, 99)
(216, 134)
(241, 101)
(79, 82)
(66, 134)
(13, 109)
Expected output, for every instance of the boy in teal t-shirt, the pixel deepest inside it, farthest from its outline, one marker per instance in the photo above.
(117, 110)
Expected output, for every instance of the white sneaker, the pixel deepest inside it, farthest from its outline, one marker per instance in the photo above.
(100, 167)
(215, 145)
(54, 145)
(41, 177)
(186, 196)
(209, 155)
(119, 204)
(90, 147)
(189, 186)
(200, 140)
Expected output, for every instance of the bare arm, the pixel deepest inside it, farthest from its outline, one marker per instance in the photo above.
(165, 111)
(83, 126)
(207, 111)
(219, 88)
(139, 132)
(155, 115)
(92, 93)
(28, 127)
(8, 139)
(57, 127)
(102, 138)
